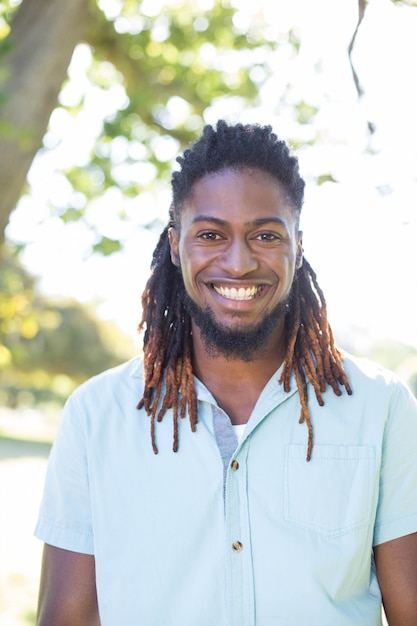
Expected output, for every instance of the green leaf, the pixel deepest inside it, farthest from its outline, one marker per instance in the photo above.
(107, 246)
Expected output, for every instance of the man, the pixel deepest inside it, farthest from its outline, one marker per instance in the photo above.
(251, 519)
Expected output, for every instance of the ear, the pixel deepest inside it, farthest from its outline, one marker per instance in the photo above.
(173, 244)
(300, 250)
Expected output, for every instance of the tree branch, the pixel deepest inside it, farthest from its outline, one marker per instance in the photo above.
(362, 4)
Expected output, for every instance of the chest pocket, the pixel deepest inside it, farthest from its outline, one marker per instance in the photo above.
(332, 494)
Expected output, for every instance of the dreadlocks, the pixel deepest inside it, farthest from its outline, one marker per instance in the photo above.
(311, 353)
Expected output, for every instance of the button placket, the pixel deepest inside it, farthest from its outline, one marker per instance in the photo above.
(240, 586)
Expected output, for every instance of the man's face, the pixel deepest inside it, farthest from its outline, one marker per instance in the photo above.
(237, 249)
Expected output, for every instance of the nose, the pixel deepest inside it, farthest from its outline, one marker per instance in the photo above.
(238, 259)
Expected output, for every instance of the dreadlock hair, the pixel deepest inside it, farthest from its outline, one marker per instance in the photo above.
(311, 354)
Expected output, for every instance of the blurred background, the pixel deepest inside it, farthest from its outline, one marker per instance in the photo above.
(96, 101)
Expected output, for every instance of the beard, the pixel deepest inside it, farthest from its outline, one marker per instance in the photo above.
(241, 342)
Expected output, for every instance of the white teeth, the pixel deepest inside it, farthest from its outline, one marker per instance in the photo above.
(236, 294)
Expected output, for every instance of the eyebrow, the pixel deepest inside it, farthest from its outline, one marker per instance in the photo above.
(258, 222)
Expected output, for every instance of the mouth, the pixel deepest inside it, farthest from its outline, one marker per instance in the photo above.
(238, 293)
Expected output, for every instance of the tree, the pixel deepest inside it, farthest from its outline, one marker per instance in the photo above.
(36, 56)
(155, 55)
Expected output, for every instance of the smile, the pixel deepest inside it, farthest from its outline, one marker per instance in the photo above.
(241, 293)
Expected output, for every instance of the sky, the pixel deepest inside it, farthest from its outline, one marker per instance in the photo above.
(359, 233)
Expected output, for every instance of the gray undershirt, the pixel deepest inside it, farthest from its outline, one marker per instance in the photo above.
(225, 437)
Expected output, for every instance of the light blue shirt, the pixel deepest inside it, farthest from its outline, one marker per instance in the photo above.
(287, 543)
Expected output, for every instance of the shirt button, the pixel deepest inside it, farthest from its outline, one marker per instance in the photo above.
(237, 546)
(234, 465)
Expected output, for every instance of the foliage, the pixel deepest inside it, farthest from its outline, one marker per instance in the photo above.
(167, 62)
(171, 74)
(47, 347)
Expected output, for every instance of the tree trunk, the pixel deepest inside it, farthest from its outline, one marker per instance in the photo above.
(44, 34)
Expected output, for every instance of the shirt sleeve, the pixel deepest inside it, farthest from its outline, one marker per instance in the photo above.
(65, 513)
(397, 504)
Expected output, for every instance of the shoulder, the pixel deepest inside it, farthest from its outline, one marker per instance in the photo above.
(122, 381)
(371, 374)
(371, 381)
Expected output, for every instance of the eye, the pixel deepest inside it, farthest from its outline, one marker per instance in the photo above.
(268, 237)
(209, 235)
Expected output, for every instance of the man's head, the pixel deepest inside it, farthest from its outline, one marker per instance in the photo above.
(235, 238)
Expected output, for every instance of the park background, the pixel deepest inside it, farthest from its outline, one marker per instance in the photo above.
(87, 144)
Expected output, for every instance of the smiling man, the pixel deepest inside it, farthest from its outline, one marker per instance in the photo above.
(209, 502)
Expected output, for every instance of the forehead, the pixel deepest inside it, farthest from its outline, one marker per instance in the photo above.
(239, 196)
